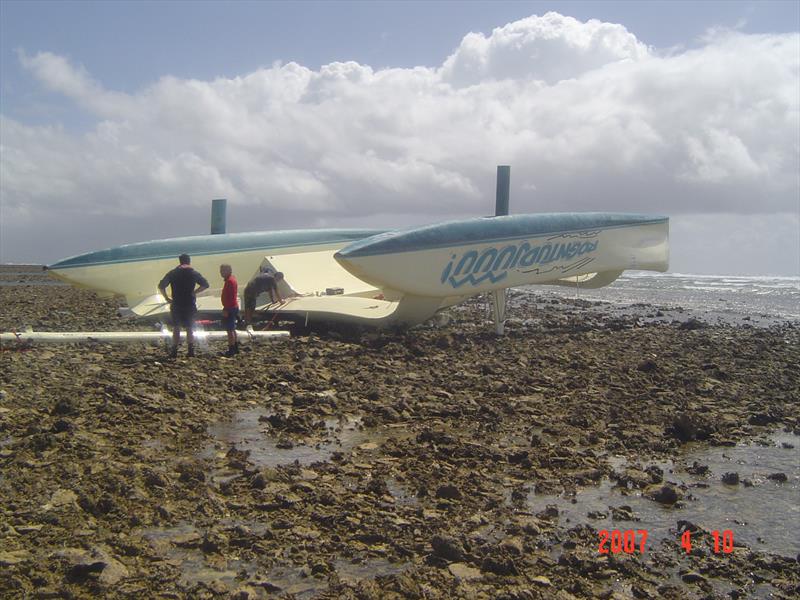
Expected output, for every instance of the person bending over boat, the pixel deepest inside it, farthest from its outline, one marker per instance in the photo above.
(185, 283)
(265, 281)
(230, 307)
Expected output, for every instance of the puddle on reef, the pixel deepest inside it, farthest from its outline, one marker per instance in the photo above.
(401, 492)
(250, 432)
(762, 513)
(154, 444)
(181, 547)
(297, 581)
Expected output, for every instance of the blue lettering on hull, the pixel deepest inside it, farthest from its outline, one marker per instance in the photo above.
(493, 264)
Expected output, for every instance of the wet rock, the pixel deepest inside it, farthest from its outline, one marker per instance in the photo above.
(154, 479)
(516, 458)
(730, 478)
(622, 513)
(634, 478)
(779, 477)
(684, 525)
(258, 481)
(462, 571)
(64, 406)
(97, 564)
(541, 581)
(693, 577)
(512, 545)
(550, 512)
(377, 487)
(499, 565)
(448, 492)
(692, 324)
(656, 473)
(321, 568)
(389, 414)
(697, 469)
(665, 494)
(63, 425)
(687, 428)
(647, 366)
(191, 471)
(588, 476)
(763, 418)
(213, 542)
(519, 496)
(447, 547)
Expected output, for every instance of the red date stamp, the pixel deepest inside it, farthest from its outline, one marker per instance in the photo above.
(722, 541)
(618, 541)
(631, 541)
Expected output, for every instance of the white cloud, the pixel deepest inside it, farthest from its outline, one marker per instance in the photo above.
(588, 117)
(58, 75)
(550, 48)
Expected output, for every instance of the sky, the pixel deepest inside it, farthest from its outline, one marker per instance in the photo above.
(120, 121)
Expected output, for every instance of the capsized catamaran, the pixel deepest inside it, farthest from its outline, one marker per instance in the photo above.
(383, 278)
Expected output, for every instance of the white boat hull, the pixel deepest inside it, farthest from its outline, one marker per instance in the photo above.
(473, 268)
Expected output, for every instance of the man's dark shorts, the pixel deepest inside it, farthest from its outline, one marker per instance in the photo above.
(250, 300)
(229, 322)
(183, 316)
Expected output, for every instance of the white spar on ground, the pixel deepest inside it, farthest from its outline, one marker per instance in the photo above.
(76, 337)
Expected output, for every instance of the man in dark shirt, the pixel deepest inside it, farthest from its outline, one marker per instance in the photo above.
(182, 281)
(264, 281)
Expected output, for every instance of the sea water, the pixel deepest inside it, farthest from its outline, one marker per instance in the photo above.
(732, 296)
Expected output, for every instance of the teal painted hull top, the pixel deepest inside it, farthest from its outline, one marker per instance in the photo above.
(488, 230)
(200, 245)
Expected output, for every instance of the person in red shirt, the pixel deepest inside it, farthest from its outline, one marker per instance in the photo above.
(230, 307)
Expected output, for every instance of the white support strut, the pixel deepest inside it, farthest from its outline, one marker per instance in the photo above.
(165, 335)
(499, 310)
